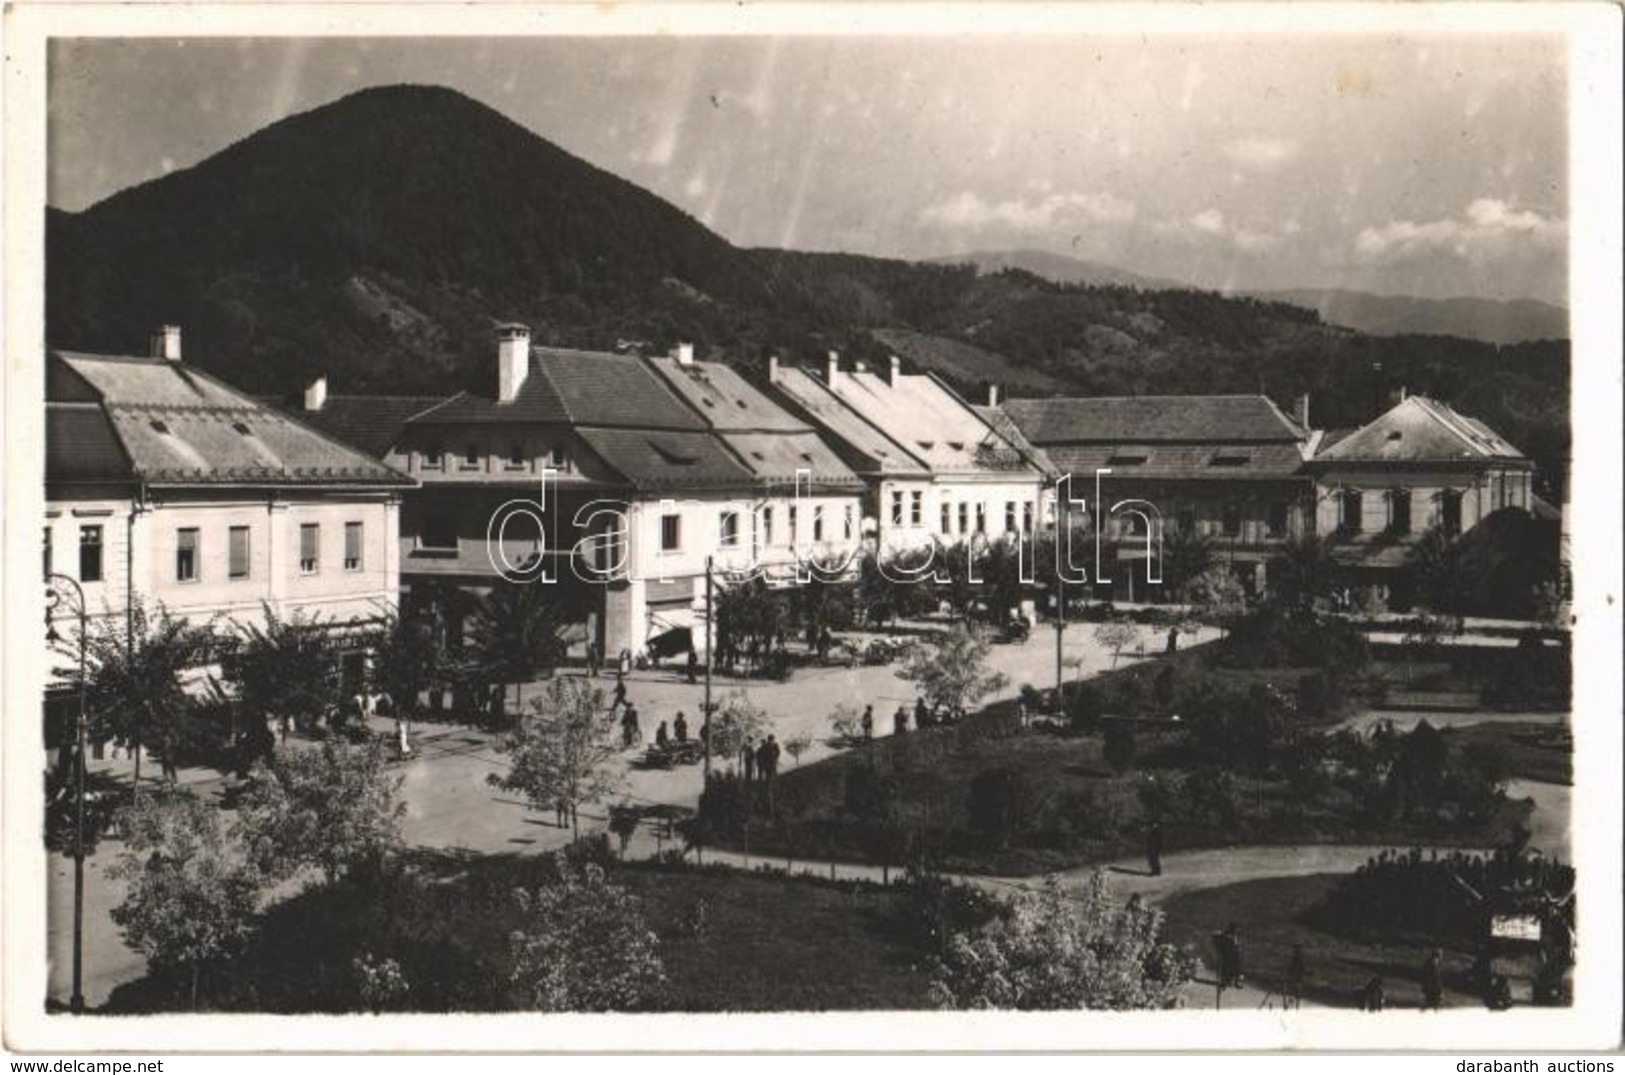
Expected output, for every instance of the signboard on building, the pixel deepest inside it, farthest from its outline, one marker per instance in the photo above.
(1515, 927)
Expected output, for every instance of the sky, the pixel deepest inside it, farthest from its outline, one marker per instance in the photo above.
(1423, 165)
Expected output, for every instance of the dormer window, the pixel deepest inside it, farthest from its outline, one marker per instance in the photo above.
(159, 426)
(242, 428)
(1394, 434)
(1230, 459)
(1127, 459)
(672, 456)
(957, 445)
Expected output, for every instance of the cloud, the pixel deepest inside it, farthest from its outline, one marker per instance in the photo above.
(1210, 226)
(1208, 220)
(1261, 153)
(1486, 227)
(967, 210)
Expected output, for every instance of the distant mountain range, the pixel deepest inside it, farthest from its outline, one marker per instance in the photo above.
(380, 238)
(1490, 320)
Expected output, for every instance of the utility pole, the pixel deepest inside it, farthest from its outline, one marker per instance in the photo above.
(1060, 626)
(76, 1001)
(710, 615)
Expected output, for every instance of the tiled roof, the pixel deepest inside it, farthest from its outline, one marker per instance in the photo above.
(584, 388)
(370, 423)
(726, 400)
(936, 426)
(1142, 419)
(177, 425)
(1006, 428)
(777, 457)
(667, 459)
(1420, 430)
(80, 445)
(833, 416)
(1153, 460)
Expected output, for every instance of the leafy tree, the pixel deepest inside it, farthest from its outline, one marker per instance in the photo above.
(959, 564)
(1444, 575)
(738, 720)
(286, 670)
(1057, 949)
(584, 945)
(845, 721)
(623, 823)
(134, 690)
(335, 808)
(952, 671)
(1217, 596)
(796, 746)
(190, 903)
(823, 602)
(516, 633)
(998, 799)
(1119, 747)
(409, 658)
(894, 593)
(1186, 555)
(1303, 574)
(1116, 634)
(750, 615)
(1001, 574)
(561, 751)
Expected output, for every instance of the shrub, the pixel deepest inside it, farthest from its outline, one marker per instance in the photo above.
(998, 798)
(1119, 747)
(1084, 707)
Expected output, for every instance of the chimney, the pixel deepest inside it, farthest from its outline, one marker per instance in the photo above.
(1303, 410)
(316, 394)
(772, 368)
(513, 361)
(685, 354)
(832, 368)
(992, 395)
(166, 342)
(896, 370)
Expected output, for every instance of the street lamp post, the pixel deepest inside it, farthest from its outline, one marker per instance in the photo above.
(76, 1002)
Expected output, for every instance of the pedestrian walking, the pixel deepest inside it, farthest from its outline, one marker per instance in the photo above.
(900, 720)
(747, 761)
(868, 722)
(922, 713)
(824, 642)
(773, 751)
(679, 727)
(1228, 946)
(1173, 639)
(693, 667)
(561, 812)
(1153, 848)
(594, 660)
(1296, 970)
(662, 738)
(631, 734)
(624, 665)
(764, 762)
(620, 689)
(1433, 981)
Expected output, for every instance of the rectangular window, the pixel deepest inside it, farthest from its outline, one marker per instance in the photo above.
(1027, 517)
(471, 458)
(818, 524)
(310, 543)
(767, 526)
(964, 518)
(794, 533)
(237, 553)
(1351, 506)
(916, 509)
(90, 553)
(516, 458)
(981, 517)
(434, 458)
(1275, 519)
(897, 508)
(186, 554)
(1232, 520)
(671, 533)
(1010, 524)
(1399, 511)
(847, 529)
(1450, 512)
(728, 530)
(439, 532)
(557, 459)
(47, 551)
(947, 519)
(1185, 518)
(352, 546)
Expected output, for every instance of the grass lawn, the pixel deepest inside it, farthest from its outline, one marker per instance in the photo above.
(1271, 914)
(1070, 809)
(768, 942)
